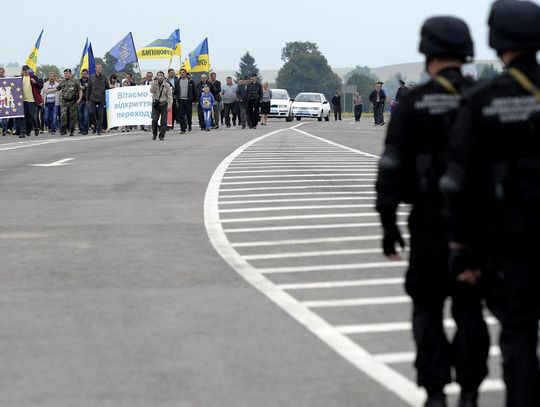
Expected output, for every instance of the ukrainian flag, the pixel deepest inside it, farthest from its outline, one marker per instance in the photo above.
(31, 61)
(163, 48)
(199, 59)
(87, 60)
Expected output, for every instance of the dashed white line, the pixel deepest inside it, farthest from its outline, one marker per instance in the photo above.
(320, 253)
(358, 302)
(308, 227)
(325, 216)
(342, 284)
(332, 267)
(252, 201)
(295, 208)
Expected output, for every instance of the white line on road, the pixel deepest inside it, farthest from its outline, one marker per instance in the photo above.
(300, 181)
(57, 140)
(395, 326)
(320, 253)
(355, 174)
(58, 163)
(408, 357)
(295, 208)
(308, 227)
(337, 170)
(313, 240)
(296, 194)
(331, 267)
(296, 187)
(358, 302)
(344, 346)
(340, 198)
(342, 284)
(330, 215)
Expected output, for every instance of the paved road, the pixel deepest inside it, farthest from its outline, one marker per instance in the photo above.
(212, 269)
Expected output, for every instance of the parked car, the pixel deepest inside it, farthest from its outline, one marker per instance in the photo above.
(311, 105)
(280, 105)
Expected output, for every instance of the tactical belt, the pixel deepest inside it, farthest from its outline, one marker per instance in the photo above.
(525, 82)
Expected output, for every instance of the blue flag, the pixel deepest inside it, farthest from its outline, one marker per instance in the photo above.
(87, 60)
(11, 98)
(124, 52)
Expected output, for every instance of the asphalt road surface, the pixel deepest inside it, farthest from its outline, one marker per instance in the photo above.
(230, 268)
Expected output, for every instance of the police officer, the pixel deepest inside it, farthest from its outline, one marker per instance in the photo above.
(409, 171)
(493, 187)
(70, 96)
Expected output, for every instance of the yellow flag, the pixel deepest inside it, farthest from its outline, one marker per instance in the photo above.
(31, 61)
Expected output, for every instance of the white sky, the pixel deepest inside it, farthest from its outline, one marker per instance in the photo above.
(348, 32)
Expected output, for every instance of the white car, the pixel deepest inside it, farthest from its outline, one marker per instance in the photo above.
(311, 105)
(280, 105)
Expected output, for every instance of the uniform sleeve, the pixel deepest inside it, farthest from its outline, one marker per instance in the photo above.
(395, 165)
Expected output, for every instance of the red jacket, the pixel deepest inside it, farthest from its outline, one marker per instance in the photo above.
(36, 89)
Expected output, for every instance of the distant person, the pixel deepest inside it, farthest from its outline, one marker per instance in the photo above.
(401, 91)
(207, 103)
(254, 95)
(200, 89)
(147, 80)
(70, 97)
(82, 110)
(336, 103)
(265, 103)
(216, 92)
(97, 85)
(378, 101)
(230, 104)
(241, 94)
(161, 99)
(128, 80)
(358, 106)
(49, 96)
(185, 96)
(31, 91)
(172, 80)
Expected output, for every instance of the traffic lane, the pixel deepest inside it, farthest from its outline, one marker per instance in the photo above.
(113, 295)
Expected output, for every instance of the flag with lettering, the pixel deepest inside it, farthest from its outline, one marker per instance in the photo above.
(11, 98)
(31, 61)
(162, 48)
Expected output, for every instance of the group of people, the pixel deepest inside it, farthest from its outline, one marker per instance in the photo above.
(467, 158)
(377, 99)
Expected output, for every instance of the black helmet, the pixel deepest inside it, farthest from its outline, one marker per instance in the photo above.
(446, 36)
(514, 25)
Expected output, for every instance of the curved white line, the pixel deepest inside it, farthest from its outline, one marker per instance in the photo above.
(344, 346)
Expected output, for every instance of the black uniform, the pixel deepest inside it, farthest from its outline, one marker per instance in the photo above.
(336, 103)
(410, 169)
(254, 95)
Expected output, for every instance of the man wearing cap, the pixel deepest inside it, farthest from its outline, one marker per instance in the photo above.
(410, 168)
(493, 188)
(70, 96)
(32, 86)
(378, 100)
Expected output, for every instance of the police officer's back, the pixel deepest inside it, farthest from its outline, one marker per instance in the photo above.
(493, 186)
(413, 161)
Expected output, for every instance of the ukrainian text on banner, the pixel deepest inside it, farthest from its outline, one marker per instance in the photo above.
(129, 106)
(11, 98)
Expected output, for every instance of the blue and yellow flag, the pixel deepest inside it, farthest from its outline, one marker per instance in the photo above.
(199, 59)
(87, 60)
(163, 48)
(124, 52)
(31, 61)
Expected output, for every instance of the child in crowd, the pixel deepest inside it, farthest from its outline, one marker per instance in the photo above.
(207, 102)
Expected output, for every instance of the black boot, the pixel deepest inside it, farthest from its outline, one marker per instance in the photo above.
(468, 399)
(437, 399)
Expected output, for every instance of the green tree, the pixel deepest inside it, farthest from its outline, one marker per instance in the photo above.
(45, 70)
(297, 47)
(248, 67)
(306, 70)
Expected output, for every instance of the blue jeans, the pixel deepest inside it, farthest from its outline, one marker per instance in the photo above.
(83, 116)
(207, 118)
(51, 116)
(4, 125)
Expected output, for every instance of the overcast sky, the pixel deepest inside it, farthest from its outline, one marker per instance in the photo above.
(348, 32)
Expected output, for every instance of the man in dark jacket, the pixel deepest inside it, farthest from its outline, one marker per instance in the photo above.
(493, 189)
(95, 93)
(185, 95)
(401, 91)
(410, 168)
(82, 109)
(217, 97)
(241, 93)
(32, 86)
(378, 100)
(254, 94)
(336, 103)
(204, 82)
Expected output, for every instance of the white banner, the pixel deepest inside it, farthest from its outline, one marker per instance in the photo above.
(129, 106)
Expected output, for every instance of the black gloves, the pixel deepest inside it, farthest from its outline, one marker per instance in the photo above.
(391, 237)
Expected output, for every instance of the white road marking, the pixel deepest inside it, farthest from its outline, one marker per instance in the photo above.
(301, 170)
(308, 227)
(358, 302)
(330, 215)
(331, 267)
(395, 326)
(341, 198)
(320, 253)
(295, 208)
(296, 187)
(58, 163)
(296, 194)
(344, 346)
(408, 357)
(342, 284)
(355, 174)
(294, 181)
(315, 240)
(53, 141)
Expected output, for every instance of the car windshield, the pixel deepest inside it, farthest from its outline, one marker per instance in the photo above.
(308, 97)
(279, 94)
